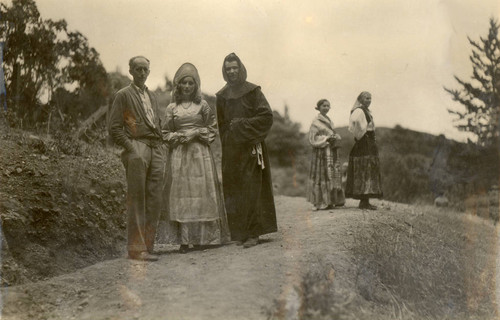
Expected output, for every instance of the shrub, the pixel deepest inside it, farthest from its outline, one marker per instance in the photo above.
(315, 298)
(430, 263)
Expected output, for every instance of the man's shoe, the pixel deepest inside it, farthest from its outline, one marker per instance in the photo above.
(143, 256)
(251, 242)
(184, 248)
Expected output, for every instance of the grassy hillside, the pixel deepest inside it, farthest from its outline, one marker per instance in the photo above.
(415, 166)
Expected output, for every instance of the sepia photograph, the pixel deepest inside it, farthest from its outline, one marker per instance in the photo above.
(249, 159)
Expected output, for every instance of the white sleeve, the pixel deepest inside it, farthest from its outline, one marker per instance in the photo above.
(315, 139)
(358, 123)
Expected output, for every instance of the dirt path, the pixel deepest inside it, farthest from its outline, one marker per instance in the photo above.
(221, 283)
(227, 282)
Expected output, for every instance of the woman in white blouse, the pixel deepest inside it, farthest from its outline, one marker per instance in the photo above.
(363, 172)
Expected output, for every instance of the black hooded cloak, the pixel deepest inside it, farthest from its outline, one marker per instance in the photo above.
(245, 118)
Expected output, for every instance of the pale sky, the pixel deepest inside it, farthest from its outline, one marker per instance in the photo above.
(402, 51)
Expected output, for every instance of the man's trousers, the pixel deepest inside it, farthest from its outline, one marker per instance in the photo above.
(144, 170)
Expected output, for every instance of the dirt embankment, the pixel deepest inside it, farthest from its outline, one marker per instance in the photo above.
(61, 206)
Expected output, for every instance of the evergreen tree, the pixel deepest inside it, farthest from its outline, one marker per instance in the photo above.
(481, 97)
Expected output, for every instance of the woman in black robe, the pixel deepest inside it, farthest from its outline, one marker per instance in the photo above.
(245, 118)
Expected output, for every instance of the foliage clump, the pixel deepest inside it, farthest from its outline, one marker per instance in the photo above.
(49, 70)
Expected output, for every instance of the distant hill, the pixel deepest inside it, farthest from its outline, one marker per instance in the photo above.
(415, 167)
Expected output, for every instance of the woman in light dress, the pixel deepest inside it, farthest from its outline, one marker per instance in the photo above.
(196, 214)
(325, 175)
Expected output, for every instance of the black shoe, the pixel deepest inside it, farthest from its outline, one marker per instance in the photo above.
(143, 256)
(184, 248)
(367, 206)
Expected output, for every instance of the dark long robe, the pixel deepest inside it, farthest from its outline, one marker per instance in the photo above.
(363, 172)
(245, 118)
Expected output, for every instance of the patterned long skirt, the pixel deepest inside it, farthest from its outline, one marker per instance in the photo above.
(363, 171)
(325, 179)
(193, 204)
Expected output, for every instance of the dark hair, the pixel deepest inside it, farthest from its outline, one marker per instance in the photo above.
(195, 97)
(132, 60)
(320, 102)
(232, 57)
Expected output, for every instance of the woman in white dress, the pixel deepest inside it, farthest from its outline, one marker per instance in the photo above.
(196, 214)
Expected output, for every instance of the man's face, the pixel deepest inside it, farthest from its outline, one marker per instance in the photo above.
(140, 71)
(232, 70)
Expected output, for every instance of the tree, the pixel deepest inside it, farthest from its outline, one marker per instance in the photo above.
(117, 81)
(42, 60)
(83, 68)
(30, 56)
(481, 97)
(285, 142)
